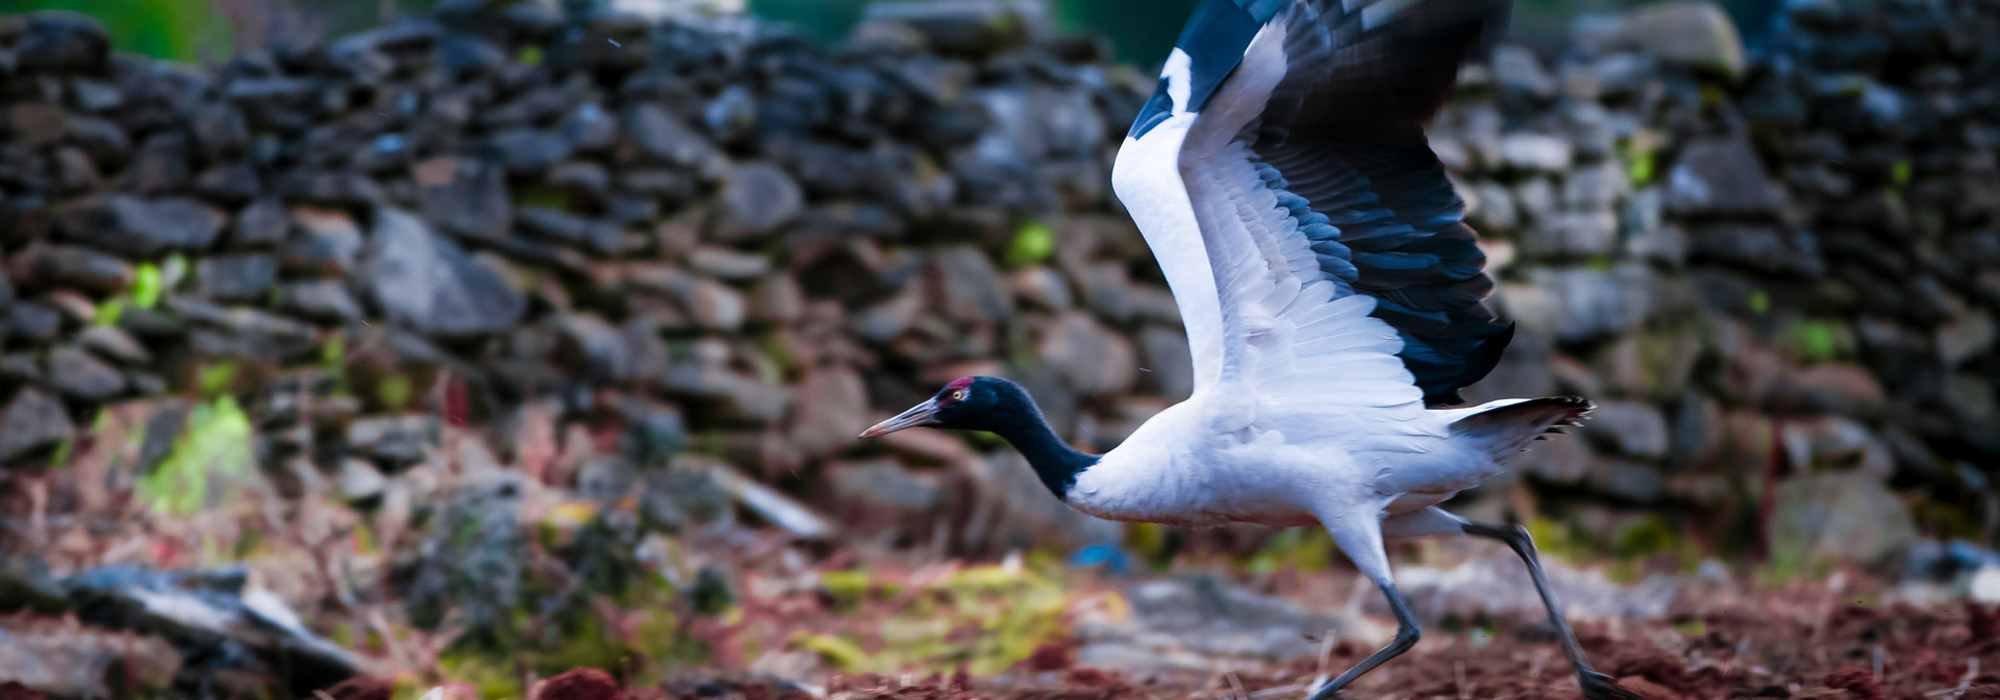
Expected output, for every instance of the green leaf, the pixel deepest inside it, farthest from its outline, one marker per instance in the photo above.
(1760, 301)
(110, 311)
(394, 391)
(215, 450)
(531, 55)
(216, 379)
(842, 653)
(1899, 174)
(146, 285)
(1031, 245)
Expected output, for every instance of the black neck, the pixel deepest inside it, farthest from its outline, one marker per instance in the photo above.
(1054, 461)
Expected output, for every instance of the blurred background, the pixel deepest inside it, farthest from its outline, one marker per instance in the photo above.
(1139, 31)
(462, 343)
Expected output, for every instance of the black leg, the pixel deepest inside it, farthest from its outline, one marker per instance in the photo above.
(1596, 686)
(1407, 633)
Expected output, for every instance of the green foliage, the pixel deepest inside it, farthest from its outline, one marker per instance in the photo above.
(1760, 301)
(843, 654)
(179, 30)
(1645, 536)
(1899, 174)
(216, 379)
(531, 55)
(147, 285)
(214, 451)
(1303, 549)
(1031, 245)
(394, 392)
(1816, 340)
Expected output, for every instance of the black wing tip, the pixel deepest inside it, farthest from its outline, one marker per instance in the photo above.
(1477, 364)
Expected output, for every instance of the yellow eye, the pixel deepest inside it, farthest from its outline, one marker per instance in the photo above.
(958, 395)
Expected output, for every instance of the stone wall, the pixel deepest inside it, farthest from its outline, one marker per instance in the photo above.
(1776, 276)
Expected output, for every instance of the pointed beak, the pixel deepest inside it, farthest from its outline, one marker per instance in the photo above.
(921, 414)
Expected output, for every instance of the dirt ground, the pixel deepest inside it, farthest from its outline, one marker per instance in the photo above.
(1763, 650)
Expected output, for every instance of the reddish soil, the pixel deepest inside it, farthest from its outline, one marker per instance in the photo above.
(1752, 652)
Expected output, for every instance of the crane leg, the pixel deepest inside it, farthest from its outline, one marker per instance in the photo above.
(1596, 686)
(1361, 539)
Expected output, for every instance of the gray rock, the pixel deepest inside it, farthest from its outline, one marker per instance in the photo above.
(69, 266)
(530, 150)
(728, 263)
(1572, 234)
(326, 300)
(967, 27)
(832, 409)
(1761, 248)
(134, 227)
(779, 299)
(103, 139)
(1964, 338)
(1090, 357)
(397, 440)
(1537, 199)
(76, 374)
(564, 227)
(19, 368)
(1695, 34)
(1847, 516)
(600, 348)
(1519, 70)
(56, 40)
(32, 421)
(321, 242)
(74, 171)
(1166, 361)
(1578, 303)
(968, 285)
(757, 199)
(114, 344)
(262, 223)
(1721, 177)
(236, 277)
(229, 182)
(1496, 212)
(1588, 128)
(1631, 428)
(359, 481)
(1626, 479)
(220, 131)
(467, 197)
(581, 176)
(428, 284)
(1622, 74)
(886, 485)
(32, 321)
(1042, 286)
(667, 139)
(588, 127)
(717, 306)
(1595, 188)
(1535, 152)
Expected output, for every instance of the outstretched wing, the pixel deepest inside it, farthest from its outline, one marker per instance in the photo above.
(1282, 177)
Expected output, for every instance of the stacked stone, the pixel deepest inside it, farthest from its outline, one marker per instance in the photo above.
(666, 229)
(715, 237)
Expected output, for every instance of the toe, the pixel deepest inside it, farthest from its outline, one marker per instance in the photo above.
(1597, 686)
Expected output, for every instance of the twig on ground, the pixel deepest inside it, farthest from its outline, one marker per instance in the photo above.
(1964, 682)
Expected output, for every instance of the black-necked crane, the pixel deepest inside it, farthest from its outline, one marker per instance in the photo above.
(1332, 294)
